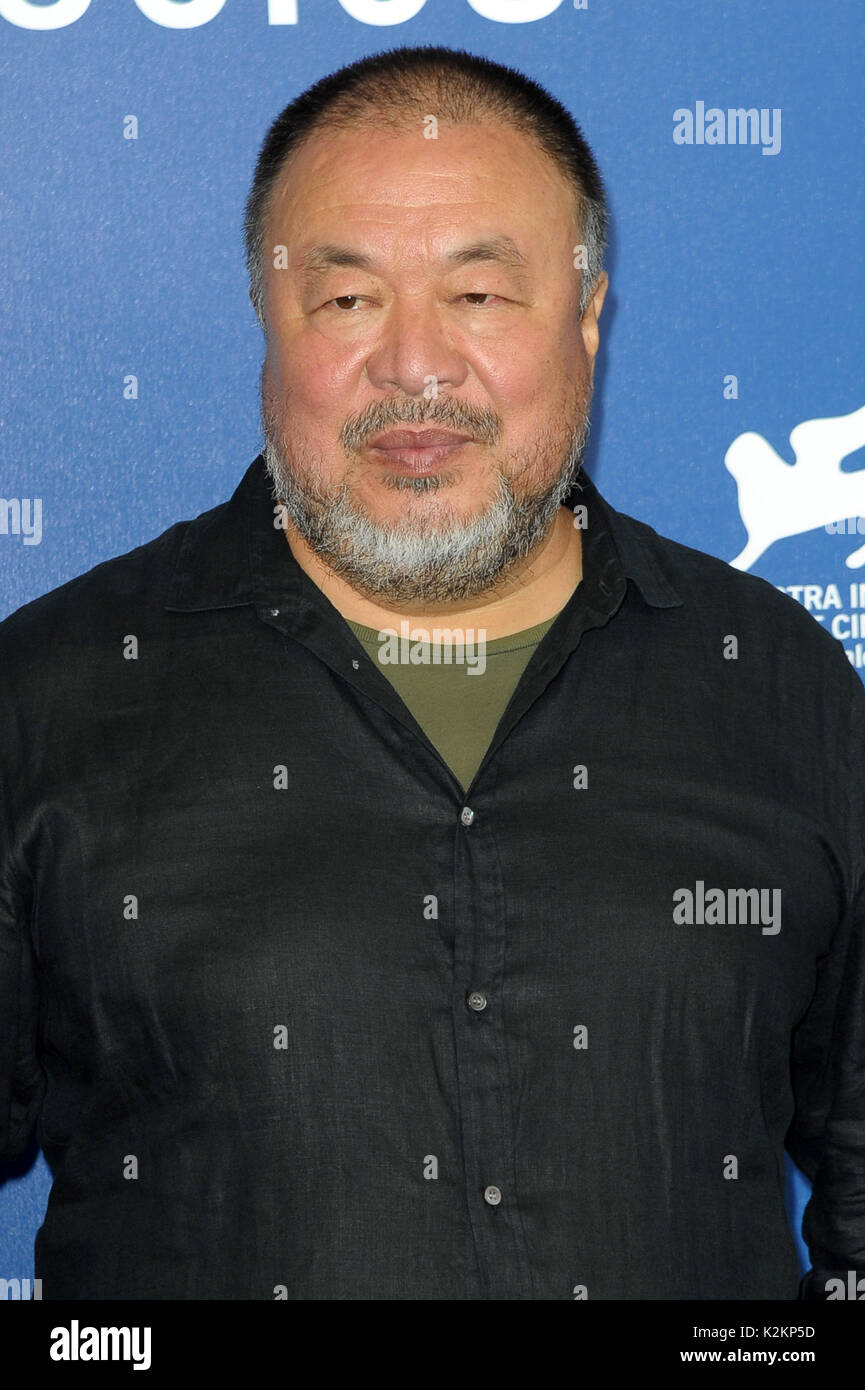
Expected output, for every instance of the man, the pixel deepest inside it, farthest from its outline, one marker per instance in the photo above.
(419, 880)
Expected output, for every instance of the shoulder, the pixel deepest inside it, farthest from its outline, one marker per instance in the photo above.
(90, 605)
(787, 652)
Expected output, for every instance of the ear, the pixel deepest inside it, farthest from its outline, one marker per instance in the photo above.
(590, 316)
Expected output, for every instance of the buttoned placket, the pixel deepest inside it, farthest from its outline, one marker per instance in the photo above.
(479, 926)
(287, 599)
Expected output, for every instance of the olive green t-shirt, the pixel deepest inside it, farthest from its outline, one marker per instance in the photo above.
(458, 702)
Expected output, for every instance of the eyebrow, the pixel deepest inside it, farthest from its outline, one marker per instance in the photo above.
(499, 250)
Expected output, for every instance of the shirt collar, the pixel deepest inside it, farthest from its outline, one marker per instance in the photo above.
(237, 553)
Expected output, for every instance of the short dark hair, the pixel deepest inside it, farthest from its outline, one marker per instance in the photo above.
(459, 88)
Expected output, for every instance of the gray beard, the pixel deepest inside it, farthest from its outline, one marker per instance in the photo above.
(412, 561)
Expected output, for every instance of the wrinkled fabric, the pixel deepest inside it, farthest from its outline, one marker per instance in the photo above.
(247, 916)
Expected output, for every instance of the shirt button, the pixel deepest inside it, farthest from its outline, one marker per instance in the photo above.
(467, 815)
(476, 1000)
(492, 1195)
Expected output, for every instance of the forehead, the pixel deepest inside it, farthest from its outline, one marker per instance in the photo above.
(383, 178)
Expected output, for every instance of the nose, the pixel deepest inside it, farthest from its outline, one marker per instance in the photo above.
(414, 351)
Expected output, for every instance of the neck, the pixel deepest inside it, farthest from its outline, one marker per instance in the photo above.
(535, 590)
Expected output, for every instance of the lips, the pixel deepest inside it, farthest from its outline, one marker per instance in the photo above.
(417, 439)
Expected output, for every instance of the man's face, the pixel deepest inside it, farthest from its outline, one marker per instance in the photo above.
(428, 285)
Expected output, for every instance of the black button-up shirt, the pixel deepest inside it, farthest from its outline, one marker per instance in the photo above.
(299, 1017)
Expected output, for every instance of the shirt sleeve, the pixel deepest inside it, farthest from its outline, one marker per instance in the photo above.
(21, 1077)
(827, 1137)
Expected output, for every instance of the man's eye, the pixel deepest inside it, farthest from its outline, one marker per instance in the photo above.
(346, 303)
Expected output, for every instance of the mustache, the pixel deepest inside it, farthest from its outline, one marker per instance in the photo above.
(483, 425)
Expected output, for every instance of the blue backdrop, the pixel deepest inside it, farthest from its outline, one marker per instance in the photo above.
(730, 137)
